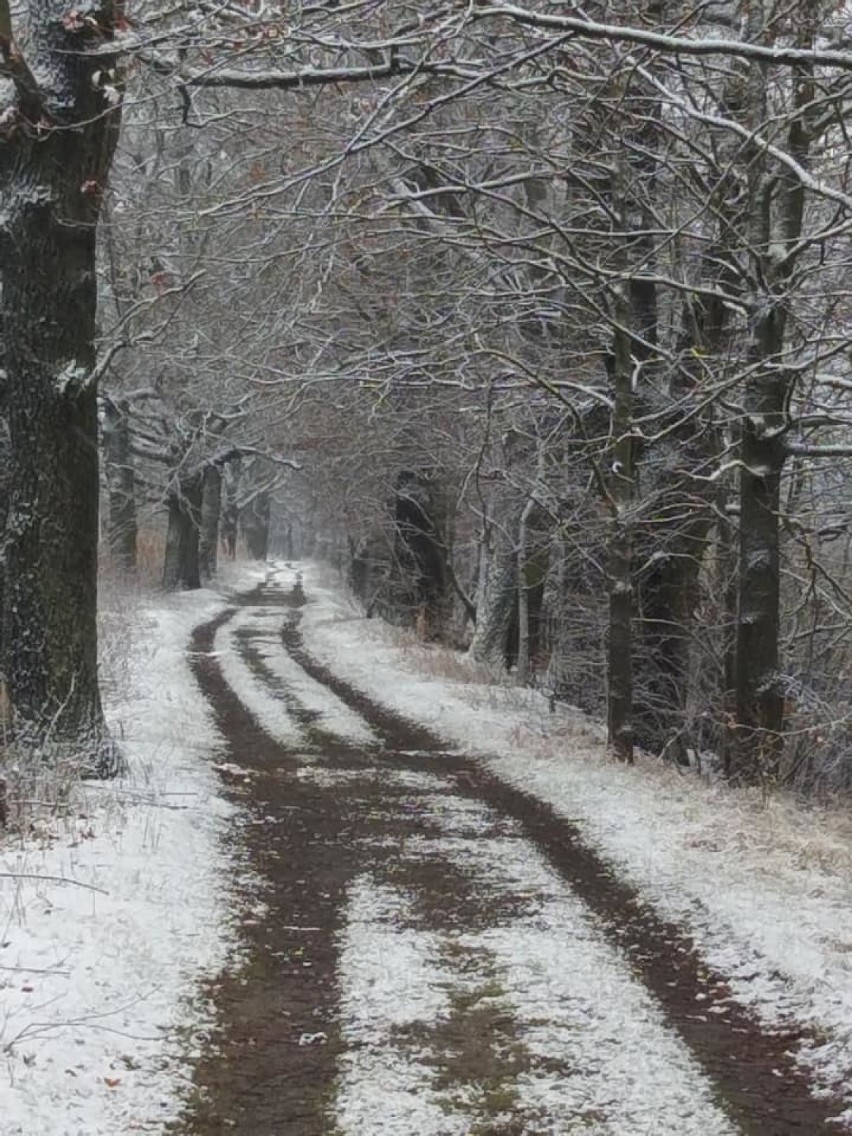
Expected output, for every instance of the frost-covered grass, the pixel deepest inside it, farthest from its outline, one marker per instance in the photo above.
(113, 898)
(764, 885)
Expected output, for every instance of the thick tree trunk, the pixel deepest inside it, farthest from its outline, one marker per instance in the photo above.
(759, 700)
(121, 486)
(620, 579)
(51, 180)
(230, 528)
(180, 567)
(211, 505)
(667, 599)
(757, 744)
(726, 588)
(495, 633)
(5, 465)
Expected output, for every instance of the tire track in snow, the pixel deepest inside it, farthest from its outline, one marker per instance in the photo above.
(333, 820)
(753, 1068)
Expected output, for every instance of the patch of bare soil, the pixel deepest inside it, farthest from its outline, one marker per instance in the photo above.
(270, 1069)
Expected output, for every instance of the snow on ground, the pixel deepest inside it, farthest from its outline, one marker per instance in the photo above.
(332, 714)
(109, 918)
(265, 708)
(600, 1056)
(765, 887)
(390, 978)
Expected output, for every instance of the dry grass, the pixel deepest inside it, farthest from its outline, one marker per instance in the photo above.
(43, 790)
(449, 665)
(810, 836)
(39, 792)
(150, 554)
(721, 819)
(119, 598)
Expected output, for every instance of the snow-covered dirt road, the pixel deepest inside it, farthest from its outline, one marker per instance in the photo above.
(432, 951)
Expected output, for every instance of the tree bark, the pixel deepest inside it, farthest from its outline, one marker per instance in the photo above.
(496, 603)
(5, 464)
(622, 490)
(759, 697)
(522, 667)
(621, 495)
(211, 505)
(180, 567)
(121, 486)
(757, 744)
(532, 571)
(54, 160)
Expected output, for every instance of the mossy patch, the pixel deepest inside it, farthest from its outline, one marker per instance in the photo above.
(475, 1049)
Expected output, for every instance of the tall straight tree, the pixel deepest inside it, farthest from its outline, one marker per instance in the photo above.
(775, 226)
(59, 124)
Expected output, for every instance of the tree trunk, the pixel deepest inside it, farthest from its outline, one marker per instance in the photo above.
(532, 571)
(496, 603)
(495, 633)
(759, 698)
(5, 462)
(621, 494)
(230, 528)
(667, 599)
(255, 518)
(181, 568)
(211, 504)
(726, 588)
(231, 478)
(522, 668)
(121, 486)
(757, 747)
(620, 569)
(52, 178)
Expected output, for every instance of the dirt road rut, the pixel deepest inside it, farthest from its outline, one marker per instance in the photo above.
(381, 818)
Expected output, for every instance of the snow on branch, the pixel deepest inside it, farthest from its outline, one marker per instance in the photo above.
(671, 44)
(804, 450)
(305, 77)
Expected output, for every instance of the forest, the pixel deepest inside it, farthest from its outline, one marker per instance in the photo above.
(426, 575)
(533, 319)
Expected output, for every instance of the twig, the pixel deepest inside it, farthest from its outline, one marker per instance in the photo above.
(52, 879)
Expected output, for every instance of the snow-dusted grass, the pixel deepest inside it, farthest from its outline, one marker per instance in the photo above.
(112, 910)
(765, 886)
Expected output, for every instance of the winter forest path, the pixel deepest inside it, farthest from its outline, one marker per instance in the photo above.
(428, 950)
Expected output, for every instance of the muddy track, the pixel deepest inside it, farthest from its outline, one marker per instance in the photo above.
(277, 1049)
